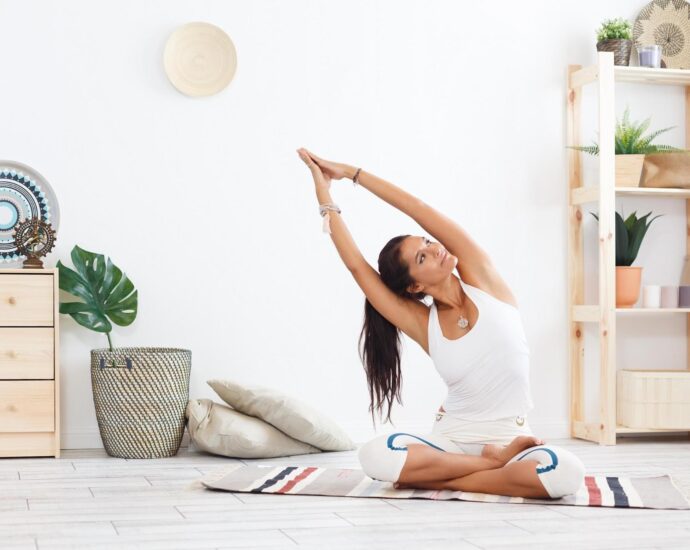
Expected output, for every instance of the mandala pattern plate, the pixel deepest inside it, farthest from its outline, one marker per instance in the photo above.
(24, 193)
(666, 23)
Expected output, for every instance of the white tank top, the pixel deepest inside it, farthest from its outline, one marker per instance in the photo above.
(487, 369)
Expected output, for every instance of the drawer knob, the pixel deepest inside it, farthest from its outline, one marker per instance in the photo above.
(12, 300)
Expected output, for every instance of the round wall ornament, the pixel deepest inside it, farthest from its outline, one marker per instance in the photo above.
(199, 59)
(667, 24)
(24, 195)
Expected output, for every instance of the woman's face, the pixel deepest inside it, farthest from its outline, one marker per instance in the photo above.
(429, 262)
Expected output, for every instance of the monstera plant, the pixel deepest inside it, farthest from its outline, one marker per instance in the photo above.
(107, 294)
(140, 394)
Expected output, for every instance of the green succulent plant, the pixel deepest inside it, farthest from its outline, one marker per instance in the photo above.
(630, 140)
(629, 236)
(614, 29)
(108, 296)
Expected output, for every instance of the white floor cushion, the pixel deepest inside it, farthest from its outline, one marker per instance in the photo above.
(216, 428)
(288, 414)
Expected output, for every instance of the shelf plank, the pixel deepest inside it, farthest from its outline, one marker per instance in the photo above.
(654, 192)
(590, 193)
(645, 75)
(626, 430)
(582, 195)
(590, 313)
(639, 75)
(583, 76)
(584, 430)
(586, 314)
(651, 310)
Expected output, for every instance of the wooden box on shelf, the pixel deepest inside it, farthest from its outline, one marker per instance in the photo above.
(29, 363)
(654, 399)
(629, 170)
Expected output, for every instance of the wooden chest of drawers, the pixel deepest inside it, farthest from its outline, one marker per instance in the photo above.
(29, 363)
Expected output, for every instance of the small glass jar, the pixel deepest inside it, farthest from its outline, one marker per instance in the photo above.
(650, 56)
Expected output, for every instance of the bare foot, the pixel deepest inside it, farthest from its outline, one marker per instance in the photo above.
(504, 454)
(428, 485)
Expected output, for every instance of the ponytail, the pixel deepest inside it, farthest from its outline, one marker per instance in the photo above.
(379, 340)
(379, 344)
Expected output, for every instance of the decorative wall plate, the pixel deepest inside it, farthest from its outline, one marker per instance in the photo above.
(199, 59)
(666, 23)
(24, 194)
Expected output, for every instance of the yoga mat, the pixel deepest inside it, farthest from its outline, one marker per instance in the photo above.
(613, 492)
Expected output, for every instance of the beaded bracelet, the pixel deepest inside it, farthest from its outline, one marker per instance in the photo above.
(323, 210)
(354, 178)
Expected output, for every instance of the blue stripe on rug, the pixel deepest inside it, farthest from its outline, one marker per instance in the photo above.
(270, 482)
(619, 496)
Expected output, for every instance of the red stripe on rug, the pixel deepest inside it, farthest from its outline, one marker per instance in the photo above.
(290, 484)
(594, 491)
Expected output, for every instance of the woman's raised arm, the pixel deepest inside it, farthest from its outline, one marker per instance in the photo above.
(347, 248)
(405, 314)
(474, 264)
(442, 228)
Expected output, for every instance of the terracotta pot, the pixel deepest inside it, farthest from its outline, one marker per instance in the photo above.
(629, 170)
(628, 281)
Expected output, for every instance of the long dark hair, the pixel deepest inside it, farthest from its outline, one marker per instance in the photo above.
(379, 341)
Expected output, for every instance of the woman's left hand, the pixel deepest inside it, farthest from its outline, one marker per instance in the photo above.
(321, 180)
(334, 170)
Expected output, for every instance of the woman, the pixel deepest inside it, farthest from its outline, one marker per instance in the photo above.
(481, 441)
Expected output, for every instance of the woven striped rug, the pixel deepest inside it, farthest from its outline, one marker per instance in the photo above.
(614, 492)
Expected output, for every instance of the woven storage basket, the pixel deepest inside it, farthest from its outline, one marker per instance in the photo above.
(621, 50)
(141, 400)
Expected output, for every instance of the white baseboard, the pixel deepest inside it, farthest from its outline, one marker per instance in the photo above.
(358, 431)
(92, 440)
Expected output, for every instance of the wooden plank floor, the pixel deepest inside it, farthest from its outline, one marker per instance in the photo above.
(86, 499)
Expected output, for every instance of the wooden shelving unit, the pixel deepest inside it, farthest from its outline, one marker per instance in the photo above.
(604, 76)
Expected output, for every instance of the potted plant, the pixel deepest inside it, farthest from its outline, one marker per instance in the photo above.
(615, 36)
(631, 146)
(140, 394)
(629, 236)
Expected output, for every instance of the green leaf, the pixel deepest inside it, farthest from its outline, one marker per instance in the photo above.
(638, 233)
(618, 28)
(87, 316)
(107, 294)
(629, 138)
(630, 221)
(629, 236)
(621, 242)
(590, 149)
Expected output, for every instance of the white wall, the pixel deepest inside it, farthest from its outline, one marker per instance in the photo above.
(462, 104)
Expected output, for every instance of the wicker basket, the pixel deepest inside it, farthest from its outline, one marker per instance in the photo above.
(140, 396)
(621, 50)
(658, 399)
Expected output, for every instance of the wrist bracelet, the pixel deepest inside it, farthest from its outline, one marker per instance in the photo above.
(354, 178)
(323, 210)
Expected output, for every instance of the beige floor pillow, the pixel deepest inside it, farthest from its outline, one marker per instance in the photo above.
(216, 428)
(288, 414)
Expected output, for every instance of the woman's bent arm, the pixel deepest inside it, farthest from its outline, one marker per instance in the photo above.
(442, 228)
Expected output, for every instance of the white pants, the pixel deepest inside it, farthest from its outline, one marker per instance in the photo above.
(560, 472)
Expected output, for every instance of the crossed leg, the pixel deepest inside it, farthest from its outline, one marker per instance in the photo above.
(517, 479)
(525, 468)
(429, 468)
(429, 464)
